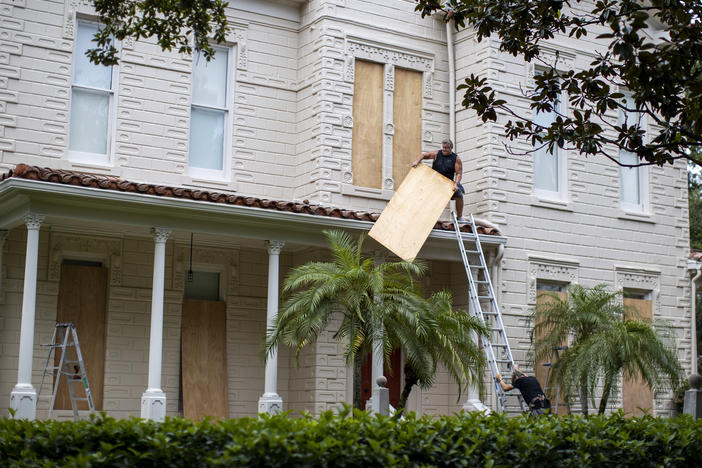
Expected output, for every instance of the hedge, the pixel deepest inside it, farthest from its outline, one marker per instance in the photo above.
(355, 440)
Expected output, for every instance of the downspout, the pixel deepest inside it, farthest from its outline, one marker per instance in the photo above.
(693, 319)
(452, 78)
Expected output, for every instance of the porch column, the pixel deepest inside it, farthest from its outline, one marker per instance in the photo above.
(3, 236)
(153, 400)
(23, 398)
(271, 402)
(378, 355)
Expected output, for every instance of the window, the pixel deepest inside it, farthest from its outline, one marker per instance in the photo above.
(367, 135)
(210, 115)
(632, 180)
(92, 97)
(549, 166)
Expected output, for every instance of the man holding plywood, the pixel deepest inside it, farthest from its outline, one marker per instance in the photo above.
(448, 164)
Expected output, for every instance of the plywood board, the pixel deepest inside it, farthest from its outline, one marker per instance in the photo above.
(367, 135)
(82, 300)
(409, 217)
(203, 359)
(637, 395)
(407, 118)
(541, 371)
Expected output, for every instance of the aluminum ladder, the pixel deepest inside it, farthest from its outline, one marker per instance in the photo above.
(496, 347)
(65, 336)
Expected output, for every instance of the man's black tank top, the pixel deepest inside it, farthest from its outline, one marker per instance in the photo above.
(445, 165)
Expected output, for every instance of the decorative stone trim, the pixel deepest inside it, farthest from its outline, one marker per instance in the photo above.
(559, 271)
(239, 34)
(71, 7)
(642, 280)
(413, 60)
(563, 61)
(64, 245)
(227, 260)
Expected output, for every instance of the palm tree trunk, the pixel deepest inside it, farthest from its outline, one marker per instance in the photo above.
(605, 395)
(411, 380)
(583, 398)
(357, 383)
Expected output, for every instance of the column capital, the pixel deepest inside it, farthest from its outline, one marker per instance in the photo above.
(33, 220)
(274, 246)
(161, 234)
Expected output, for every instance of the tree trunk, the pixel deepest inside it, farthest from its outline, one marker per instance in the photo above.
(357, 382)
(583, 398)
(410, 381)
(605, 395)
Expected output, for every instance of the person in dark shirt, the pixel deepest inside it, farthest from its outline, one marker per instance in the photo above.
(448, 164)
(530, 389)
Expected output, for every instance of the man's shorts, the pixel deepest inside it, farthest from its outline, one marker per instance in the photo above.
(458, 193)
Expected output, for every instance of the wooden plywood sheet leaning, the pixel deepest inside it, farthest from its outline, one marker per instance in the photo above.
(409, 217)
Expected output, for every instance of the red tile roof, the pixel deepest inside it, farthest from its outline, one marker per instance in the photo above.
(45, 174)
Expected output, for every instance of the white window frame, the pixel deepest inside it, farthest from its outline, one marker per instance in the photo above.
(643, 206)
(225, 173)
(560, 195)
(82, 157)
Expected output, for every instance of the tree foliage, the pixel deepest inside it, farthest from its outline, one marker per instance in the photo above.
(380, 305)
(603, 345)
(176, 24)
(654, 52)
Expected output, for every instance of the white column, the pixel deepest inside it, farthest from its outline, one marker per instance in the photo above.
(23, 398)
(271, 402)
(153, 400)
(473, 402)
(378, 355)
(3, 236)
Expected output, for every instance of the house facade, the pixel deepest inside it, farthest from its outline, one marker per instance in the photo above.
(158, 204)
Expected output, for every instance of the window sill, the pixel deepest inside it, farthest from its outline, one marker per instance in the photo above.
(367, 192)
(634, 216)
(553, 204)
(89, 161)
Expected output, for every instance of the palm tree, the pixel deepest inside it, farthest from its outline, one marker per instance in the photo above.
(380, 305)
(603, 344)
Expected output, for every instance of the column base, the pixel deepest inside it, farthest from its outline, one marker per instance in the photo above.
(153, 405)
(474, 405)
(23, 400)
(270, 403)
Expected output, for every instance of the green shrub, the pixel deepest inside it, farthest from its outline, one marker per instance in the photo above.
(362, 440)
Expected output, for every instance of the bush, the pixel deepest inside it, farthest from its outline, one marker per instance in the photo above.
(362, 440)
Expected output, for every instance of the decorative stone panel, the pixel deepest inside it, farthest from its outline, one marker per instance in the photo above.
(64, 245)
(641, 280)
(227, 261)
(558, 271)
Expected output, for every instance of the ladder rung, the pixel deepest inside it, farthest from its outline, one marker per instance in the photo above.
(485, 297)
(472, 251)
(504, 345)
(481, 282)
(477, 267)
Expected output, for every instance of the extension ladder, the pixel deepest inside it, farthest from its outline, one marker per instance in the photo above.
(496, 347)
(64, 337)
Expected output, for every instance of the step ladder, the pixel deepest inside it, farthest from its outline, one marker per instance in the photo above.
(64, 337)
(549, 388)
(484, 306)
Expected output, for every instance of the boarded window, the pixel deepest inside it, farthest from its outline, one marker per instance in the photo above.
(367, 140)
(82, 300)
(407, 118)
(541, 371)
(637, 395)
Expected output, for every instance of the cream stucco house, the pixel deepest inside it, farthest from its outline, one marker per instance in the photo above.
(118, 182)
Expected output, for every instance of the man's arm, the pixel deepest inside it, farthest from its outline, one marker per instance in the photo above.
(505, 387)
(459, 172)
(427, 155)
